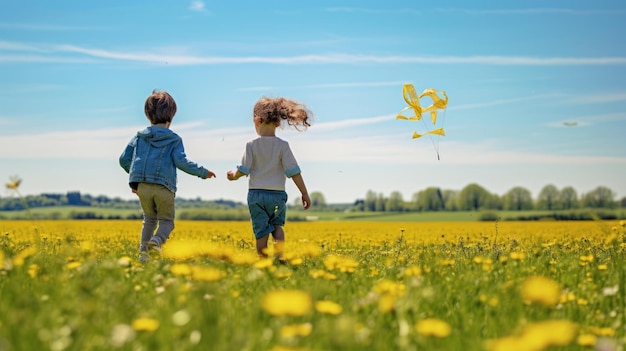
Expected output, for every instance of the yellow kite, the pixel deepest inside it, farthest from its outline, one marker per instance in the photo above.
(413, 101)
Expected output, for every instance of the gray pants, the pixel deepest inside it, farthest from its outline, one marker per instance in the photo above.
(157, 203)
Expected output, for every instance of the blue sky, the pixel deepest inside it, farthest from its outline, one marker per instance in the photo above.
(537, 91)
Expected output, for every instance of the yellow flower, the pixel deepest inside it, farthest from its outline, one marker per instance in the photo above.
(549, 333)
(537, 336)
(145, 324)
(290, 331)
(18, 260)
(207, 274)
(386, 303)
(433, 327)
(340, 263)
(73, 265)
(287, 302)
(517, 256)
(541, 290)
(328, 307)
(390, 287)
(180, 269)
(320, 273)
(607, 331)
(586, 340)
(33, 270)
(413, 271)
(180, 250)
(264, 263)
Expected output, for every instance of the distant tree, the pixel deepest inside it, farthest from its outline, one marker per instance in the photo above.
(395, 202)
(568, 198)
(518, 199)
(450, 200)
(474, 197)
(548, 198)
(359, 205)
(380, 203)
(430, 199)
(369, 203)
(317, 200)
(600, 197)
(622, 202)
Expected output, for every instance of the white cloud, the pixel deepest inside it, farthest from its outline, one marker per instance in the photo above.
(328, 142)
(197, 6)
(156, 58)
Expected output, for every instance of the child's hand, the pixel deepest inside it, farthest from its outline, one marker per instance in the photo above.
(210, 175)
(231, 175)
(306, 201)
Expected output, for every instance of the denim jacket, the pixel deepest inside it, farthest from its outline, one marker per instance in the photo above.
(154, 154)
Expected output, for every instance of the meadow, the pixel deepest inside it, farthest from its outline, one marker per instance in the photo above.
(77, 285)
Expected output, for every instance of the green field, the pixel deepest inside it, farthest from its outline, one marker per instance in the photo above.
(72, 212)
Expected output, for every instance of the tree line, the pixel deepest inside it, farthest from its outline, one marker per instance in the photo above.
(474, 197)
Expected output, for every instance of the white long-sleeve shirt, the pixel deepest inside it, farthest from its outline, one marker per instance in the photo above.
(268, 161)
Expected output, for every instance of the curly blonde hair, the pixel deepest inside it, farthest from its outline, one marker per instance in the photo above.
(276, 110)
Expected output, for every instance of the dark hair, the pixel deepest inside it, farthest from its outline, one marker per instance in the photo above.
(268, 110)
(160, 107)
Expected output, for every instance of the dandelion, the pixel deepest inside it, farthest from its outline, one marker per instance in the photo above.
(340, 263)
(180, 250)
(517, 256)
(73, 265)
(180, 318)
(607, 331)
(33, 270)
(290, 331)
(541, 290)
(610, 290)
(18, 260)
(389, 287)
(386, 303)
(549, 333)
(287, 302)
(413, 271)
(180, 269)
(207, 274)
(586, 340)
(2, 260)
(124, 261)
(121, 334)
(145, 324)
(433, 327)
(328, 307)
(264, 263)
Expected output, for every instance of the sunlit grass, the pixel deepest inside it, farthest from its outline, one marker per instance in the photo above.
(347, 286)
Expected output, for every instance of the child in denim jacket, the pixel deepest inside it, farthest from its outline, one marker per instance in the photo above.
(151, 158)
(268, 161)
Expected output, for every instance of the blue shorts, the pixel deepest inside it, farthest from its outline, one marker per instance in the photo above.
(267, 209)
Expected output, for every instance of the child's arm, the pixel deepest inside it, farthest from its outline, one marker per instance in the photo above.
(299, 181)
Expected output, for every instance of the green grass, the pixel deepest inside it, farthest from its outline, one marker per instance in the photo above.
(66, 212)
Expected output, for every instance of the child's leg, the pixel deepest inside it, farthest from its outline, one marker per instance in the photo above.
(164, 203)
(279, 241)
(147, 230)
(261, 246)
(149, 215)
